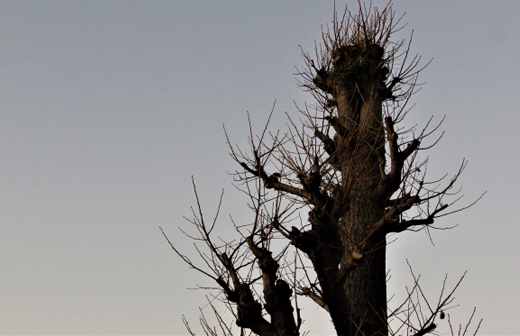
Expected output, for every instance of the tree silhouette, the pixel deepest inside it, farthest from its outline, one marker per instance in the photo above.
(355, 172)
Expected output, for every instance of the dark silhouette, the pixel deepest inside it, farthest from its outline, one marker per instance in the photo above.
(357, 176)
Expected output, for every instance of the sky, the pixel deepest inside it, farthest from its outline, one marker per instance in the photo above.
(107, 108)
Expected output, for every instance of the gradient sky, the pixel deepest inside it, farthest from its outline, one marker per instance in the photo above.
(108, 107)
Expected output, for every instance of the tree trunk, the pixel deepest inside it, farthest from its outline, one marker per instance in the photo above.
(361, 157)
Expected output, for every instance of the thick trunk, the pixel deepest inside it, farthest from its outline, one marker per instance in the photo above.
(361, 155)
(365, 284)
(365, 289)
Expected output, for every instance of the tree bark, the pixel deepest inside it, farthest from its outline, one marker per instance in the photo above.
(360, 140)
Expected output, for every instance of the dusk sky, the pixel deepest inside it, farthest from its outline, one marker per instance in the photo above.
(107, 108)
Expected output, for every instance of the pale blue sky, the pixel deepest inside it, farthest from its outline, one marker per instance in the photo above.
(108, 107)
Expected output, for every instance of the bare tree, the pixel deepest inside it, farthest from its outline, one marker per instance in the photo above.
(356, 173)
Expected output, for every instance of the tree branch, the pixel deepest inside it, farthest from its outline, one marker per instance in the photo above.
(249, 310)
(315, 297)
(397, 156)
(272, 182)
(277, 293)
